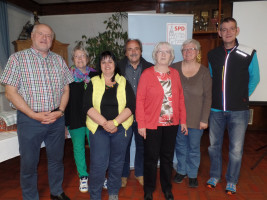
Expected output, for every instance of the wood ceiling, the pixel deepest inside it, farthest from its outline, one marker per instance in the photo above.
(61, 7)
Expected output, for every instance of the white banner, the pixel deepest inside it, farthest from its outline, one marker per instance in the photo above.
(154, 28)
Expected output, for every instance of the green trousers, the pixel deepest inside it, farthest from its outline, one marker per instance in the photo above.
(78, 141)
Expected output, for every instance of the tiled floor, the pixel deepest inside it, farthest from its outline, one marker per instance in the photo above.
(252, 184)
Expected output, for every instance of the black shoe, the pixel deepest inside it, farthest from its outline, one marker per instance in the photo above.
(148, 196)
(168, 195)
(59, 197)
(193, 182)
(178, 178)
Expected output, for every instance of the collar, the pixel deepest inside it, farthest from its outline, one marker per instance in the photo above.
(236, 45)
(130, 65)
(37, 53)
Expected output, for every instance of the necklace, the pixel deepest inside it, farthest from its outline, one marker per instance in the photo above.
(108, 87)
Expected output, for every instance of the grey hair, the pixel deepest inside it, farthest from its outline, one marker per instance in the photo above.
(192, 41)
(136, 40)
(80, 47)
(37, 25)
(158, 46)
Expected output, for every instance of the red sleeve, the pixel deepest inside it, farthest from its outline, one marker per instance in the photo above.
(140, 101)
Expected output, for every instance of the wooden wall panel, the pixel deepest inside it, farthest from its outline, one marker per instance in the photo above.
(207, 41)
(96, 7)
(259, 119)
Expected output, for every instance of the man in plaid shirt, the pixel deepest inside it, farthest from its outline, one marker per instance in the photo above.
(37, 84)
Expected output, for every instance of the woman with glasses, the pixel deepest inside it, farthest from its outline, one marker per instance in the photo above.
(75, 122)
(196, 82)
(159, 109)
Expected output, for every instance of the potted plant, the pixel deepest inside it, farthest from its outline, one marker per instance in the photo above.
(113, 39)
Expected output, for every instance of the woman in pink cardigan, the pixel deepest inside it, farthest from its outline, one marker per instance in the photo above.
(159, 109)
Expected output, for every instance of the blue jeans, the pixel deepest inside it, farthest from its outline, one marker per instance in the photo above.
(139, 155)
(236, 123)
(107, 152)
(188, 152)
(31, 134)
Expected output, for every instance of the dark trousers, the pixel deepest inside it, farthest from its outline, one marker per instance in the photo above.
(31, 134)
(159, 144)
(139, 154)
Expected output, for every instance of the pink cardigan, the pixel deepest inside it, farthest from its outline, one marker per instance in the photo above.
(149, 99)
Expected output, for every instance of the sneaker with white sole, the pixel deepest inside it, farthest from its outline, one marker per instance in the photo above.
(212, 182)
(178, 178)
(230, 188)
(105, 184)
(83, 184)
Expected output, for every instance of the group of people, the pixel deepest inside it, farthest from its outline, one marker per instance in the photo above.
(164, 106)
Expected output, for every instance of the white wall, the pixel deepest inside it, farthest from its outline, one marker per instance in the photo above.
(70, 28)
(251, 18)
(17, 18)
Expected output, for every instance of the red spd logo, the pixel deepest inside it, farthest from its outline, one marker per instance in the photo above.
(179, 28)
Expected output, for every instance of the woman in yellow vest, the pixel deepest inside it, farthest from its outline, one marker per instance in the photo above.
(109, 102)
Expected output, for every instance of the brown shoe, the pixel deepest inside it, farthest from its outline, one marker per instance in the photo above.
(123, 181)
(140, 180)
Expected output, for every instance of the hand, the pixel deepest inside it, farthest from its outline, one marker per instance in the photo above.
(142, 132)
(184, 129)
(110, 127)
(46, 117)
(203, 126)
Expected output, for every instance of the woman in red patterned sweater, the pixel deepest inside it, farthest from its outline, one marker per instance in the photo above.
(159, 109)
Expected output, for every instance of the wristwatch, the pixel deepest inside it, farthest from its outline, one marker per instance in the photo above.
(62, 112)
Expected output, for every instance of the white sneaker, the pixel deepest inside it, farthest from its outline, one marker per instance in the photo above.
(83, 184)
(105, 184)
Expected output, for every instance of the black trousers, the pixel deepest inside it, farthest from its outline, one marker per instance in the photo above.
(159, 144)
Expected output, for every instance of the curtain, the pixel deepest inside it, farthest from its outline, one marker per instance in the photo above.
(4, 35)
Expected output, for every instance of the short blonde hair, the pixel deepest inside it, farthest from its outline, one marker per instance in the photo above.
(191, 41)
(157, 48)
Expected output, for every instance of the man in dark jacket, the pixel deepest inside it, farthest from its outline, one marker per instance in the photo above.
(235, 74)
(131, 66)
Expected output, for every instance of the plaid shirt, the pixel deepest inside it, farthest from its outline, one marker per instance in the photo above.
(40, 81)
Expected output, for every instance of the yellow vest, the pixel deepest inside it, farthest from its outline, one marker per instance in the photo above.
(98, 92)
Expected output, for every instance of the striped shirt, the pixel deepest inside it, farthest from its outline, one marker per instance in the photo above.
(40, 81)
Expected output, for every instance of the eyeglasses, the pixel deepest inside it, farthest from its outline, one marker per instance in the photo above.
(80, 56)
(189, 49)
(164, 52)
(224, 30)
(49, 36)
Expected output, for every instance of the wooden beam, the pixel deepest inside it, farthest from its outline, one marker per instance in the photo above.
(28, 5)
(169, 1)
(96, 7)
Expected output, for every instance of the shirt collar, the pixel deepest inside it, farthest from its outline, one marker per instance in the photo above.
(138, 66)
(37, 53)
